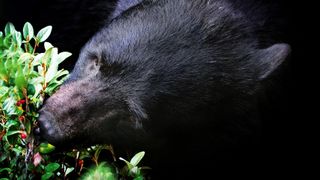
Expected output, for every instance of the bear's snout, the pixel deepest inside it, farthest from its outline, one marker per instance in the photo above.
(48, 128)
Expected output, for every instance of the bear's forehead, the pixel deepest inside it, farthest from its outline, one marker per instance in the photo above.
(136, 34)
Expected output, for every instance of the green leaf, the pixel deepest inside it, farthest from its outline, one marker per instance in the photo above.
(9, 133)
(130, 166)
(46, 148)
(3, 157)
(52, 167)
(37, 85)
(7, 40)
(140, 177)
(3, 71)
(31, 89)
(29, 48)
(137, 158)
(44, 33)
(28, 31)
(9, 29)
(11, 123)
(84, 154)
(62, 75)
(3, 91)
(9, 106)
(25, 57)
(5, 169)
(53, 65)
(37, 59)
(18, 151)
(47, 45)
(135, 171)
(47, 175)
(27, 125)
(101, 172)
(68, 171)
(62, 56)
(47, 56)
(17, 38)
(20, 80)
(55, 83)
(1, 40)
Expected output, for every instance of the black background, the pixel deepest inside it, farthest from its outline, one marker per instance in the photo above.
(286, 149)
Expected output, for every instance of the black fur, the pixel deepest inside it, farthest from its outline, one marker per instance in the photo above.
(179, 79)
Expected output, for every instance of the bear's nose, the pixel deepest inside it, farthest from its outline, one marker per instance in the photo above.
(37, 134)
(36, 131)
(44, 121)
(48, 128)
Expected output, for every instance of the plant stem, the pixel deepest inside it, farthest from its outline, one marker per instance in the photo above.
(35, 47)
(26, 45)
(25, 94)
(112, 153)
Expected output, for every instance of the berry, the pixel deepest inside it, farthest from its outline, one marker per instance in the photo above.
(21, 118)
(23, 135)
(20, 102)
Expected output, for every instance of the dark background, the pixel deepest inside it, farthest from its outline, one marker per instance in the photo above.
(285, 149)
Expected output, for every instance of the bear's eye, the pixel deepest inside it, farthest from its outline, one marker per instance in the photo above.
(102, 64)
(96, 62)
(93, 59)
(93, 63)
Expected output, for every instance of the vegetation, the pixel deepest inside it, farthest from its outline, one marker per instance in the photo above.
(27, 77)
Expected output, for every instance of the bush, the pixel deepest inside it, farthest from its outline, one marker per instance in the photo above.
(26, 79)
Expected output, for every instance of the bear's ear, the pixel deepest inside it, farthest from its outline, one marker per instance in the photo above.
(123, 5)
(269, 59)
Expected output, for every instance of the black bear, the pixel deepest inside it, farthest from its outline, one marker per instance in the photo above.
(177, 78)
